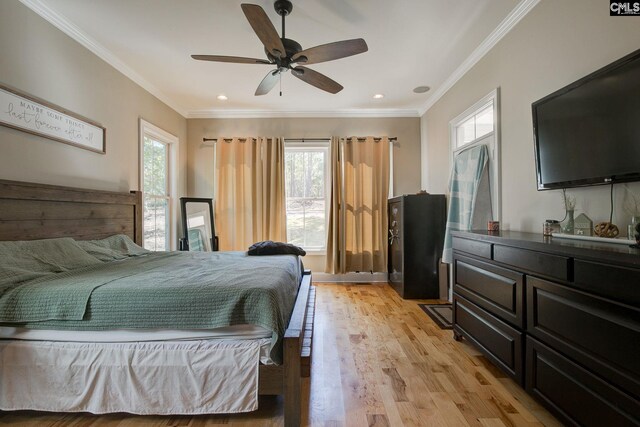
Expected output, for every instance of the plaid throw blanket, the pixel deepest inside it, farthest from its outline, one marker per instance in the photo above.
(469, 166)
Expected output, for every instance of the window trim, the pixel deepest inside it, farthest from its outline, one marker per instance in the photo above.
(172, 141)
(496, 173)
(300, 145)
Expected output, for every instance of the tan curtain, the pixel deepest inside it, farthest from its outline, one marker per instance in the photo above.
(357, 238)
(250, 198)
(335, 260)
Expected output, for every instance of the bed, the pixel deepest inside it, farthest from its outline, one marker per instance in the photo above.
(31, 211)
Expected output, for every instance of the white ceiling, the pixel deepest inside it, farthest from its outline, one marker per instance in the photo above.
(411, 43)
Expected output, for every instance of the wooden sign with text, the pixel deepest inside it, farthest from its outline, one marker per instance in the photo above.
(30, 114)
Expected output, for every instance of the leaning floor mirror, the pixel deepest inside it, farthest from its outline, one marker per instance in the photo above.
(198, 228)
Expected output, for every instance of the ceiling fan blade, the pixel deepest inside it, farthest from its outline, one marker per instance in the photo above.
(233, 59)
(264, 29)
(267, 83)
(330, 51)
(316, 79)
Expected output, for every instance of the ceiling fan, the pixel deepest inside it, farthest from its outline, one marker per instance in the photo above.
(283, 52)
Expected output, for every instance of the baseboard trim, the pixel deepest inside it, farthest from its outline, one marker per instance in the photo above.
(351, 277)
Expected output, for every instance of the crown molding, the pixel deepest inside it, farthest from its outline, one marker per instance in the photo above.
(70, 29)
(63, 24)
(260, 114)
(507, 24)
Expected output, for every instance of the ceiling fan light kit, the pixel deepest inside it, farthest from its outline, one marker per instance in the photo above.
(283, 52)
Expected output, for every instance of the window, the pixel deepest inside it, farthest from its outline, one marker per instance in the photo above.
(157, 154)
(307, 190)
(479, 125)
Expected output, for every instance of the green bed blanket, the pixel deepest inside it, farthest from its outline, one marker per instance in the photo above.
(171, 290)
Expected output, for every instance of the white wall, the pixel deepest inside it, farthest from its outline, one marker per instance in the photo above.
(557, 43)
(37, 58)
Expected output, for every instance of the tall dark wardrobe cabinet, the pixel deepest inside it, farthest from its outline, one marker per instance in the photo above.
(416, 239)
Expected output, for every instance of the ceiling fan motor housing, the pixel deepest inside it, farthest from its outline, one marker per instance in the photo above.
(291, 47)
(283, 7)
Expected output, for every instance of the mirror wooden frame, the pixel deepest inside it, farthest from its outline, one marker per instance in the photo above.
(184, 241)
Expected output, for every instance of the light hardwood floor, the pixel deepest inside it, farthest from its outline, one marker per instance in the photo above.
(378, 360)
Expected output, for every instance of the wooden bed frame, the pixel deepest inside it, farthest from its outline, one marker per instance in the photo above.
(30, 211)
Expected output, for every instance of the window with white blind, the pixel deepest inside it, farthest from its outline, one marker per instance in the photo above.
(307, 192)
(157, 160)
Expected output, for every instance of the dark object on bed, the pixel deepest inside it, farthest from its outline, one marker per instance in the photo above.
(269, 247)
(198, 226)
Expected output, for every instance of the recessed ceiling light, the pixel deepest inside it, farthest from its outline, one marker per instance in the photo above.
(421, 89)
(378, 96)
(222, 97)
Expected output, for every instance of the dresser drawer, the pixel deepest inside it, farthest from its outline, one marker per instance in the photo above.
(606, 280)
(473, 247)
(600, 334)
(554, 266)
(496, 289)
(576, 395)
(501, 343)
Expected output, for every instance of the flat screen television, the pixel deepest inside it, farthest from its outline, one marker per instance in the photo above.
(588, 133)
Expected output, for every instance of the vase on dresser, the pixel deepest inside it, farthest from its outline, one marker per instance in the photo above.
(568, 227)
(631, 228)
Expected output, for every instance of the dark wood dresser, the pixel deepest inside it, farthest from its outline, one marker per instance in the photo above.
(416, 238)
(560, 317)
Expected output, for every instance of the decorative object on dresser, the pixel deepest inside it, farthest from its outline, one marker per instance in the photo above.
(637, 237)
(583, 226)
(551, 226)
(569, 208)
(606, 229)
(631, 228)
(21, 111)
(562, 320)
(416, 239)
(631, 205)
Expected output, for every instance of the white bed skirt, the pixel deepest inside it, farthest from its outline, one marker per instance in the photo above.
(176, 377)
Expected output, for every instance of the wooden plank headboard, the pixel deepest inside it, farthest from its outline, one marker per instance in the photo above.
(30, 211)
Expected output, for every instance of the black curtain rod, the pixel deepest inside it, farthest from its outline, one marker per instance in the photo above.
(360, 138)
(225, 139)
